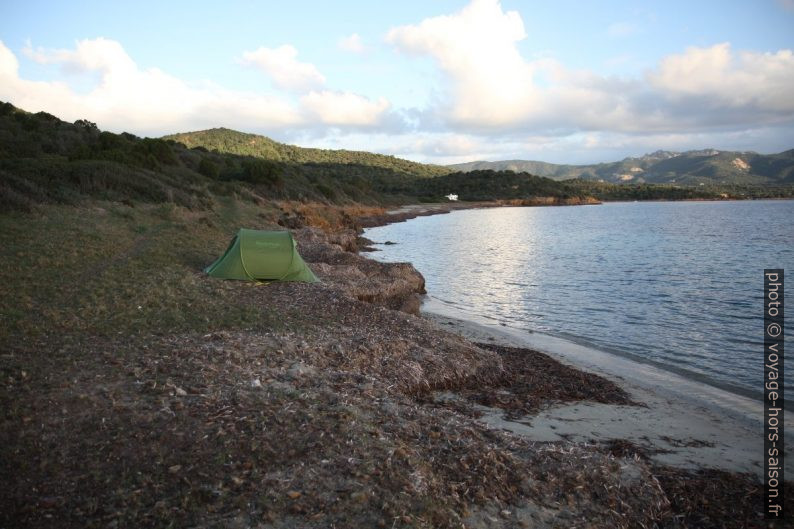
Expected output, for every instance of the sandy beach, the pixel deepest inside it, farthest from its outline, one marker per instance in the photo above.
(685, 423)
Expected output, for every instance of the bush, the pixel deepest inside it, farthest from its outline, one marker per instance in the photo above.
(108, 140)
(209, 168)
(327, 192)
(262, 172)
(157, 150)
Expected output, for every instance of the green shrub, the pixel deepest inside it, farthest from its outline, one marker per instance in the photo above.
(209, 168)
(262, 172)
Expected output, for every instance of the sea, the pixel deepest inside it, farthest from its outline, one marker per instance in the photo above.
(675, 284)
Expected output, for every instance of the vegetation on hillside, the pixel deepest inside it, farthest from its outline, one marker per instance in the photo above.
(485, 185)
(44, 160)
(491, 185)
(611, 192)
(232, 142)
(707, 167)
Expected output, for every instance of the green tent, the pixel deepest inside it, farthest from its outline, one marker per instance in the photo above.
(262, 256)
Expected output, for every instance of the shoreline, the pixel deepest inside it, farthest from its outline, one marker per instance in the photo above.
(582, 342)
(409, 212)
(315, 404)
(685, 424)
(412, 211)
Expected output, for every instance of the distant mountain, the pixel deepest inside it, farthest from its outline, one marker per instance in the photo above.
(705, 166)
(227, 141)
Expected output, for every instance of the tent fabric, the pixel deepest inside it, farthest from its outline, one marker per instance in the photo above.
(262, 256)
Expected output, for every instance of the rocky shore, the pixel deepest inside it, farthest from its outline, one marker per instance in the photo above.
(345, 408)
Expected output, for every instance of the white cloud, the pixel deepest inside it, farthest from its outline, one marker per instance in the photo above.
(447, 145)
(490, 86)
(283, 67)
(335, 108)
(99, 54)
(439, 148)
(152, 102)
(491, 83)
(747, 79)
(9, 65)
(352, 43)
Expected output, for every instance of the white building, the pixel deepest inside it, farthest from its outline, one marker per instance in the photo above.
(452, 198)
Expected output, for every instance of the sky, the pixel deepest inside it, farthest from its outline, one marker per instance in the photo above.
(436, 81)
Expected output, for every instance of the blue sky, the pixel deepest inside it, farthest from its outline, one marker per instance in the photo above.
(438, 81)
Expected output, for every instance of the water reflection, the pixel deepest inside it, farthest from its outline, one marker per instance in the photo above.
(677, 283)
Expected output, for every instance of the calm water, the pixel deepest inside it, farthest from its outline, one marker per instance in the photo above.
(678, 284)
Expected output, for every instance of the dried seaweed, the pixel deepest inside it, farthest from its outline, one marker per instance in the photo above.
(529, 381)
(316, 416)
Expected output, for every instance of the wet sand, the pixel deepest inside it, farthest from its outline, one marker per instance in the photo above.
(684, 423)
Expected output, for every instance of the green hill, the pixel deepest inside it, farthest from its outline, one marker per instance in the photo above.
(707, 167)
(228, 141)
(46, 160)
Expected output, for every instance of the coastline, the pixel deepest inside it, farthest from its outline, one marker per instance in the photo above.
(412, 211)
(318, 404)
(685, 424)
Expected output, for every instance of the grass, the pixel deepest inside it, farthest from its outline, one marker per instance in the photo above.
(113, 269)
